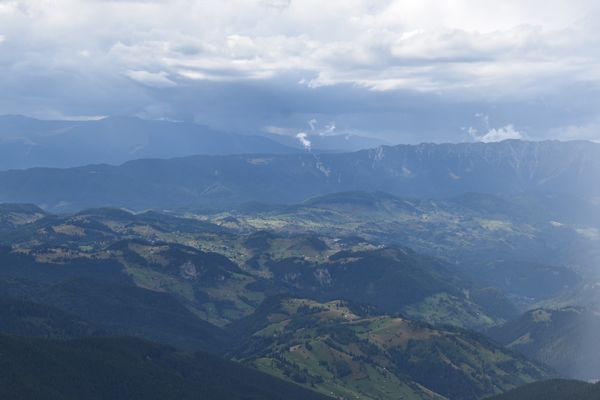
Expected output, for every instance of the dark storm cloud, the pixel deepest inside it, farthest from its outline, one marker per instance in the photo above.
(407, 71)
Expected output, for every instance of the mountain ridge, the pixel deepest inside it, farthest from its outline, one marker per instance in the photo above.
(427, 170)
(26, 142)
(353, 351)
(129, 368)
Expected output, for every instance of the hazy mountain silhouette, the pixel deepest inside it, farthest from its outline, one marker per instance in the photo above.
(427, 170)
(27, 142)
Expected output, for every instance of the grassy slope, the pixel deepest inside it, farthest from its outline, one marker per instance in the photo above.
(222, 276)
(349, 352)
(509, 243)
(565, 339)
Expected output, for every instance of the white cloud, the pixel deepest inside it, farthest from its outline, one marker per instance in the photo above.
(498, 134)
(303, 138)
(420, 44)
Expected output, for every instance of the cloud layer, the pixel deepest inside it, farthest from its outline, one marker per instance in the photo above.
(411, 70)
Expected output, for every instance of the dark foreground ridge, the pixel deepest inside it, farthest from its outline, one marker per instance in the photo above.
(557, 389)
(127, 368)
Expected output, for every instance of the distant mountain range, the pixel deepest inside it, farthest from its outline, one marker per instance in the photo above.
(27, 142)
(426, 170)
(327, 142)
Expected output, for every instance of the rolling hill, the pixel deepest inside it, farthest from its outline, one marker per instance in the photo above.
(197, 283)
(351, 351)
(394, 280)
(520, 244)
(220, 275)
(565, 339)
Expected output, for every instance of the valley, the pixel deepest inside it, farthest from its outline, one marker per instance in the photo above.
(353, 294)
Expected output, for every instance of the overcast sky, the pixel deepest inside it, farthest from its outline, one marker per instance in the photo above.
(406, 71)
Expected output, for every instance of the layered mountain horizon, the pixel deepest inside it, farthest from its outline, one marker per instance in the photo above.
(211, 181)
(27, 142)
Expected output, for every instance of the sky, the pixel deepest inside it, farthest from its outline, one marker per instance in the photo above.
(403, 71)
